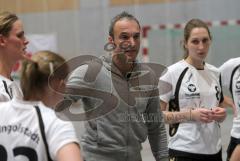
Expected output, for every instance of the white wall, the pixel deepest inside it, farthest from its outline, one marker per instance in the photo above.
(85, 31)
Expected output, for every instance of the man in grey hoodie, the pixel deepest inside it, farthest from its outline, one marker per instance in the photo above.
(120, 99)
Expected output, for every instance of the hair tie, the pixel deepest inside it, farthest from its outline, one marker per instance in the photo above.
(51, 67)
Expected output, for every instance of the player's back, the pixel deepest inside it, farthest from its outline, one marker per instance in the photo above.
(21, 138)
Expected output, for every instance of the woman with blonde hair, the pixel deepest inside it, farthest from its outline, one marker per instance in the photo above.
(12, 48)
(29, 127)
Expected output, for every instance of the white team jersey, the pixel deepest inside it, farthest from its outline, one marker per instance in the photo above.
(8, 89)
(20, 133)
(199, 88)
(231, 69)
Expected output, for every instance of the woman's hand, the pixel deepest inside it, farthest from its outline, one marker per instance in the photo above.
(202, 115)
(219, 114)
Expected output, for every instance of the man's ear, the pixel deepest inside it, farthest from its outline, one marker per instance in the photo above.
(110, 39)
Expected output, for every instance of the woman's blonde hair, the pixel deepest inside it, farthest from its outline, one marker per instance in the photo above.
(35, 74)
(6, 21)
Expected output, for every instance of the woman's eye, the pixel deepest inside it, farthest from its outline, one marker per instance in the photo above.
(20, 35)
(205, 41)
(195, 42)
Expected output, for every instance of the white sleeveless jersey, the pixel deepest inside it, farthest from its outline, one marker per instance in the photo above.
(199, 88)
(20, 134)
(9, 89)
(230, 72)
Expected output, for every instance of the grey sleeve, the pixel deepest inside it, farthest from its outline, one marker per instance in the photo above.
(76, 82)
(77, 87)
(76, 78)
(156, 130)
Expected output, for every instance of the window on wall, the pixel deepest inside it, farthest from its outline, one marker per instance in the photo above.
(30, 6)
(132, 2)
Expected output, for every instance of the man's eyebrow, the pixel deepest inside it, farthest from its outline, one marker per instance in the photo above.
(137, 33)
(124, 33)
(130, 33)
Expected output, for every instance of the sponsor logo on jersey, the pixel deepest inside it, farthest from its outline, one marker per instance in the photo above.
(238, 84)
(193, 94)
(237, 91)
(218, 93)
(192, 88)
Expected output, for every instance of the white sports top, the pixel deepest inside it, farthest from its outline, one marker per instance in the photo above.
(21, 136)
(230, 72)
(8, 89)
(199, 88)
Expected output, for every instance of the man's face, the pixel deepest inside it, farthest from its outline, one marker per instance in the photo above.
(127, 39)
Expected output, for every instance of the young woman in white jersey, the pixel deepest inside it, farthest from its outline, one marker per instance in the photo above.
(193, 103)
(12, 48)
(29, 128)
(230, 72)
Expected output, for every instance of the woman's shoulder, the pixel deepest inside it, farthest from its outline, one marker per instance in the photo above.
(178, 66)
(233, 61)
(50, 116)
(173, 71)
(230, 63)
(212, 68)
(46, 111)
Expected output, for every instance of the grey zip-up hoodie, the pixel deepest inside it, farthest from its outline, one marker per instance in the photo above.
(117, 134)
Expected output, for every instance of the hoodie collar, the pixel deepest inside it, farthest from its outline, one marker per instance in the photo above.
(108, 63)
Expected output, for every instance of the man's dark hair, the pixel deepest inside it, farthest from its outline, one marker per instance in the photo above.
(122, 15)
